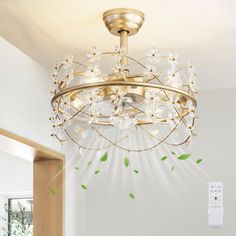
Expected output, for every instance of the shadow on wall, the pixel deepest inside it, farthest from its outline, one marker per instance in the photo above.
(46, 48)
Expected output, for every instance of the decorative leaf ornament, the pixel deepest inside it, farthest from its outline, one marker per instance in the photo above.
(126, 162)
(184, 156)
(104, 157)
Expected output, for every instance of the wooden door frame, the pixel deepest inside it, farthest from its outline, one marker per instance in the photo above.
(48, 182)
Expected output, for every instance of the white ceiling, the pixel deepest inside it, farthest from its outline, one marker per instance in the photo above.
(203, 30)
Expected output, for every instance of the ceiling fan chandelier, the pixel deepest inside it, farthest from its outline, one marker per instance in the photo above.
(134, 105)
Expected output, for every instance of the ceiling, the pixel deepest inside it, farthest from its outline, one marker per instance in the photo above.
(203, 31)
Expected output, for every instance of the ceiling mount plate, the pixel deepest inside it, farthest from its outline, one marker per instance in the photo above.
(123, 19)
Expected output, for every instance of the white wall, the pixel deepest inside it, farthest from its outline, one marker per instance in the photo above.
(24, 96)
(16, 175)
(167, 203)
(16, 179)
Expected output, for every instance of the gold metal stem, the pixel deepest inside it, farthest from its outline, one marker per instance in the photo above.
(124, 45)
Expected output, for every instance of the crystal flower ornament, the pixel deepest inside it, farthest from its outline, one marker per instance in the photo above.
(119, 52)
(192, 77)
(123, 121)
(152, 97)
(155, 132)
(153, 55)
(174, 78)
(94, 55)
(150, 70)
(68, 62)
(70, 76)
(172, 103)
(118, 97)
(93, 71)
(89, 97)
(173, 59)
(172, 121)
(153, 114)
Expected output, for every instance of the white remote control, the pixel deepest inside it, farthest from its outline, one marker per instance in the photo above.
(215, 207)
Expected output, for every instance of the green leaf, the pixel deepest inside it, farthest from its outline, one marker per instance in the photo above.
(198, 161)
(173, 153)
(89, 163)
(164, 158)
(84, 187)
(136, 171)
(76, 168)
(96, 172)
(53, 191)
(104, 157)
(172, 168)
(184, 156)
(126, 162)
(131, 195)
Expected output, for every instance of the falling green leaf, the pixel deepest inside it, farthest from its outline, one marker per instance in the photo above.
(131, 195)
(53, 191)
(89, 163)
(76, 168)
(173, 153)
(198, 161)
(172, 168)
(104, 157)
(84, 187)
(61, 167)
(184, 156)
(136, 171)
(126, 162)
(96, 172)
(164, 158)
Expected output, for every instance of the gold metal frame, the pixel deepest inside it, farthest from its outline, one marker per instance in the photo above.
(122, 22)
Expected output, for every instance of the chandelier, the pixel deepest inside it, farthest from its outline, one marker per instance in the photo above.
(119, 101)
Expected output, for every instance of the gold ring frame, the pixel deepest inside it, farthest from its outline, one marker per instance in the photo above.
(121, 83)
